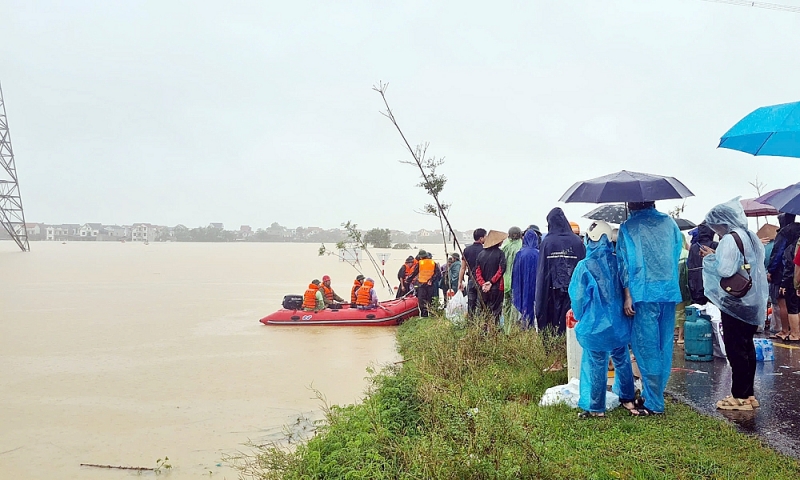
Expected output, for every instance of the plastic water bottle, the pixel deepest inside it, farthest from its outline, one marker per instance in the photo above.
(759, 349)
(768, 350)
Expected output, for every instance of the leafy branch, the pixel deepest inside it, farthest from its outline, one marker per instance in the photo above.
(432, 182)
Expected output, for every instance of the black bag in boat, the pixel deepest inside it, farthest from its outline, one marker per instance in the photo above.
(292, 302)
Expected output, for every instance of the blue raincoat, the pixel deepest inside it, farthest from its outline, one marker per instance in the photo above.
(523, 278)
(648, 249)
(602, 328)
(596, 296)
(648, 252)
(752, 308)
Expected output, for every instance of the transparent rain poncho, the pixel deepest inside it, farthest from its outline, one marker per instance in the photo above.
(597, 302)
(752, 308)
(648, 248)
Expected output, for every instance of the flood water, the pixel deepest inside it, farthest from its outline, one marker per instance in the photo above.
(120, 354)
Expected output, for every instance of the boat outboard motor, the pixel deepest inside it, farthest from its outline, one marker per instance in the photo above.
(292, 302)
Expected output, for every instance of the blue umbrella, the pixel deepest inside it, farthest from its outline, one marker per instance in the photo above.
(626, 186)
(773, 130)
(786, 200)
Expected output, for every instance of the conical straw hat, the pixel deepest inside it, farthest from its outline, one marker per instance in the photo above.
(494, 238)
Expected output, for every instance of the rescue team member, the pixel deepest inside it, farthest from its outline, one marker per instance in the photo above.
(425, 287)
(406, 275)
(366, 297)
(313, 300)
(327, 292)
(354, 291)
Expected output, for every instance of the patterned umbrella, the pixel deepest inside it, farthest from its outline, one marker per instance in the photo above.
(612, 213)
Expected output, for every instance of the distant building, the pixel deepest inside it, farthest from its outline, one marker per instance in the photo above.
(89, 231)
(35, 231)
(113, 233)
(143, 232)
(216, 225)
(245, 231)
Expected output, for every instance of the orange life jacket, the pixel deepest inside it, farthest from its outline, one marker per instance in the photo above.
(363, 296)
(354, 291)
(410, 269)
(427, 268)
(327, 292)
(310, 297)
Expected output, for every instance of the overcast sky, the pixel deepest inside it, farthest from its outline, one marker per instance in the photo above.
(252, 112)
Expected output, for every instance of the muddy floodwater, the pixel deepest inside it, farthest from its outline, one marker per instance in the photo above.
(122, 353)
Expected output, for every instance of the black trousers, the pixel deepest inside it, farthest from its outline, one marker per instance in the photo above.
(738, 338)
(424, 295)
(555, 311)
(493, 302)
(472, 298)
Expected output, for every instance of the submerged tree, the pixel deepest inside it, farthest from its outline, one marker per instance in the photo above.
(379, 238)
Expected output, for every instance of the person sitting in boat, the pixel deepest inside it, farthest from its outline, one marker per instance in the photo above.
(367, 297)
(327, 292)
(354, 291)
(313, 300)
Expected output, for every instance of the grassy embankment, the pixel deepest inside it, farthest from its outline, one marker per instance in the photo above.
(465, 405)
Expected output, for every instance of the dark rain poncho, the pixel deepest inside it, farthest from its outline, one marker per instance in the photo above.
(523, 277)
(704, 237)
(561, 250)
(752, 308)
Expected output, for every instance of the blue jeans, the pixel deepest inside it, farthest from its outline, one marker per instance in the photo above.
(594, 378)
(651, 341)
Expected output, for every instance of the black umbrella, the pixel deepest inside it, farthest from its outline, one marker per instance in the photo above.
(626, 186)
(684, 224)
(611, 213)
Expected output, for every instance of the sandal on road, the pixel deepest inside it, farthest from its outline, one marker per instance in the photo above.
(753, 402)
(730, 403)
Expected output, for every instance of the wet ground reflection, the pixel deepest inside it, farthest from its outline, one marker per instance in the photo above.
(777, 387)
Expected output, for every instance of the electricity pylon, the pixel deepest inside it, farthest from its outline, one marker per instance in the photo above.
(11, 215)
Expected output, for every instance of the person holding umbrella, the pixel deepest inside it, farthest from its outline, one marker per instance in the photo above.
(648, 251)
(742, 311)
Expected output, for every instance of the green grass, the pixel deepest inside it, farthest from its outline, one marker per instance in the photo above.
(464, 404)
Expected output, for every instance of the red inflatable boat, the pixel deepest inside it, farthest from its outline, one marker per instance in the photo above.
(392, 312)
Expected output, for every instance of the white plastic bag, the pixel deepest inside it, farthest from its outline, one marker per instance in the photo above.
(456, 307)
(569, 395)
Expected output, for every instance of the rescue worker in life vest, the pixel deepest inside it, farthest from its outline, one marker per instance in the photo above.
(327, 292)
(407, 273)
(425, 281)
(313, 300)
(367, 297)
(357, 283)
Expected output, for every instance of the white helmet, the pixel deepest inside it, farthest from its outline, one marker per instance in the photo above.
(597, 229)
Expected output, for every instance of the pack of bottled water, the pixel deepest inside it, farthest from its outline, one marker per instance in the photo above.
(764, 350)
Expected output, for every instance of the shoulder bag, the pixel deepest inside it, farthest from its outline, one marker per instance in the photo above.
(738, 284)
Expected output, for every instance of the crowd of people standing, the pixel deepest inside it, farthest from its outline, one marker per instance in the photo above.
(627, 287)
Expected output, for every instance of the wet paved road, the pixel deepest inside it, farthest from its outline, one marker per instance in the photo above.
(777, 387)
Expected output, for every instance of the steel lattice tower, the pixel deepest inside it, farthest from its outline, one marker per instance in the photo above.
(11, 215)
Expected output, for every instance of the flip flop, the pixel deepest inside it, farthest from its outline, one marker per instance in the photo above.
(644, 412)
